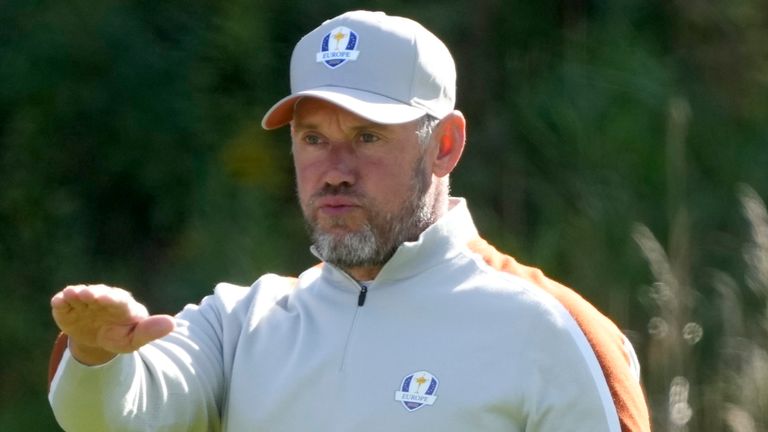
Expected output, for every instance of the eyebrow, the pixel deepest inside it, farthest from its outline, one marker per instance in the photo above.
(303, 125)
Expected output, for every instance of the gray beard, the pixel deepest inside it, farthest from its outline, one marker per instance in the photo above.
(381, 235)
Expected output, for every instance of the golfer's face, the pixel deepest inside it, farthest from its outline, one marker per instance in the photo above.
(349, 170)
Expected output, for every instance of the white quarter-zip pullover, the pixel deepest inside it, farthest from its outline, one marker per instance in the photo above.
(450, 336)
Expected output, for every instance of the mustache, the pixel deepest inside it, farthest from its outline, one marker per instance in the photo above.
(343, 189)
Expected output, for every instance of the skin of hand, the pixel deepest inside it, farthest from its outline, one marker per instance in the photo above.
(103, 321)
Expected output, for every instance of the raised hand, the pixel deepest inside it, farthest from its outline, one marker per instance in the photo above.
(103, 321)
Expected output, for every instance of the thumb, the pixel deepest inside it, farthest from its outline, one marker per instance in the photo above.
(152, 328)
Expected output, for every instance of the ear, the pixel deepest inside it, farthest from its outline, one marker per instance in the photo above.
(450, 137)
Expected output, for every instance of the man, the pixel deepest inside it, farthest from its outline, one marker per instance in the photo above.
(411, 321)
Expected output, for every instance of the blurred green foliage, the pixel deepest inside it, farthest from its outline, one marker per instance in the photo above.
(131, 154)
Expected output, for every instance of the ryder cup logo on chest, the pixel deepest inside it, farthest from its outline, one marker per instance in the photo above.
(338, 47)
(417, 389)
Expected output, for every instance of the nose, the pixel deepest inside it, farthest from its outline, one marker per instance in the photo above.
(341, 166)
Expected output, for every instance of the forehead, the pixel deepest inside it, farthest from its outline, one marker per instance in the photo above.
(309, 108)
(309, 111)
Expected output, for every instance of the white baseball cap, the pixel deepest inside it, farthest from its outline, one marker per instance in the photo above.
(383, 68)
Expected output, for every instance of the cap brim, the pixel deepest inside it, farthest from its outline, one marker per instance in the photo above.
(373, 107)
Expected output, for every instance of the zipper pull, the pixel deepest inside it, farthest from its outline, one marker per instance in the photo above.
(361, 297)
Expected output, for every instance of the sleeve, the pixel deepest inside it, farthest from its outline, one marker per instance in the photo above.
(176, 383)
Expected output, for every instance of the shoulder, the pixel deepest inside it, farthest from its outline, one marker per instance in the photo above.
(231, 300)
(616, 359)
(601, 332)
(266, 290)
(268, 285)
(537, 284)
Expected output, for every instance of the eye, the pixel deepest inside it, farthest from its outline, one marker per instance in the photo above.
(368, 137)
(312, 139)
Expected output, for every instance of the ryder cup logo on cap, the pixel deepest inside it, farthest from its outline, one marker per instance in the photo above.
(417, 389)
(386, 69)
(338, 47)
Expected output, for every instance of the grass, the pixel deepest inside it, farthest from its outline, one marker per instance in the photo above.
(713, 375)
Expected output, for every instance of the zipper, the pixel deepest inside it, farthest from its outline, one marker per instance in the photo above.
(361, 296)
(360, 302)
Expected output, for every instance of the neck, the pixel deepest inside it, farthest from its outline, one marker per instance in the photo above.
(363, 273)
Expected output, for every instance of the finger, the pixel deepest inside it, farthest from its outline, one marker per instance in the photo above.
(100, 293)
(63, 303)
(58, 301)
(76, 295)
(152, 328)
(74, 290)
(117, 301)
